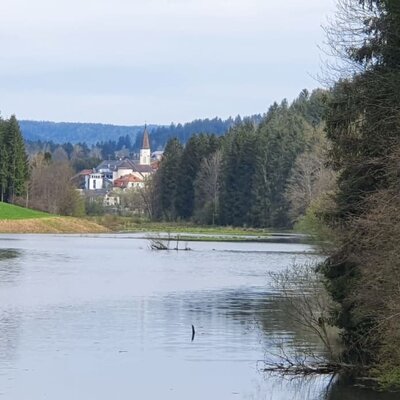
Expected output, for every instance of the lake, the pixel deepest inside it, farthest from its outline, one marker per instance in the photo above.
(104, 317)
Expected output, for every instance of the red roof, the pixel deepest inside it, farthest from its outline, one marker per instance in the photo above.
(86, 172)
(124, 180)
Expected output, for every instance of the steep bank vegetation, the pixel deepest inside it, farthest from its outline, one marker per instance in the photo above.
(363, 125)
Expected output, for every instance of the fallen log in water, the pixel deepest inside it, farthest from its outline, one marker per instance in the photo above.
(307, 368)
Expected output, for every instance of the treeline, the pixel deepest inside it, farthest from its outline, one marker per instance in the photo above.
(79, 155)
(38, 182)
(242, 178)
(160, 135)
(14, 170)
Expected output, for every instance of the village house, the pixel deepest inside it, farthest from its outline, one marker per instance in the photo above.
(129, 182)
(113, 170)
(111, 176)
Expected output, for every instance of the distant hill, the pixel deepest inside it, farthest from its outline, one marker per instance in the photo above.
(75, 132)
(131, 136)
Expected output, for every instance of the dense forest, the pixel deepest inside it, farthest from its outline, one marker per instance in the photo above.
(245, 177)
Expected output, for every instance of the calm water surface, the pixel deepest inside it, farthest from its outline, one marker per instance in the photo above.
(103, 317)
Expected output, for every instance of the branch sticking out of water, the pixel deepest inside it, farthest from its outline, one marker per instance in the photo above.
(193, 332)
(159, 243)
(302, 369)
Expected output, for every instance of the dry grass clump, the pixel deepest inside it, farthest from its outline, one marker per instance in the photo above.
(51, 225)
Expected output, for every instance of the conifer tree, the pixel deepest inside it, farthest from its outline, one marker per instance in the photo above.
(239, 165)
(3, 161)
(168, 178)
(207, 188)
(16, 158)
(280, 138)
(197, 148)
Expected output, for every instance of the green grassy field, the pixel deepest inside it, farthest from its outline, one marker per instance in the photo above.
(11, 212)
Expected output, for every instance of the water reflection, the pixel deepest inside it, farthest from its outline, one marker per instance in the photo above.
(10, 322)
(10, 268)
(345, 388)
(99, 317)
(6, 254)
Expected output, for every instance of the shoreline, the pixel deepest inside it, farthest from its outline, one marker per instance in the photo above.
(50, 225)
(151, 230)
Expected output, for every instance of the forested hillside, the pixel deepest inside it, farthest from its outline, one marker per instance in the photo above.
(74, 132)
(122, 137)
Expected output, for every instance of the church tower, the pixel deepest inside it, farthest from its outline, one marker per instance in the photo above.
(145, 150)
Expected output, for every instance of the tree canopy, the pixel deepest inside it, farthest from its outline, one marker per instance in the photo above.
(253, 166)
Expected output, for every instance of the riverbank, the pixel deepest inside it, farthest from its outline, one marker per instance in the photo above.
(50, 225)
(15, 219)
(131, 225)
(189, 232)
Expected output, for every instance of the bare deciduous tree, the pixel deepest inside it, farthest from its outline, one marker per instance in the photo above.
(308, 303)
(207, 186)
(310, 179)
(132, 200)
(374, 240)
(51, 190)
(60, 155)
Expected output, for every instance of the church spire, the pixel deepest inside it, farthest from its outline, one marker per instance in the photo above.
(146, 142)
(145, 155)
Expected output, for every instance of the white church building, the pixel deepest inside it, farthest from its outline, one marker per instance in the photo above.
(111, 174)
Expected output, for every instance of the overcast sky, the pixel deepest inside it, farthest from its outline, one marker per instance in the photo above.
(130, 61)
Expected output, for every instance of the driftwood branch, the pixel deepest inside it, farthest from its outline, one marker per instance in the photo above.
(302, 369)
